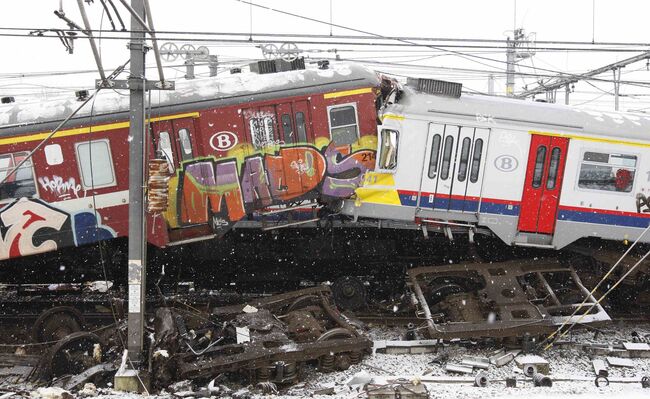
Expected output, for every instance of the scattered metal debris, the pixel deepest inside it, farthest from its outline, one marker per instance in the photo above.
(481, 380)
(540, 364)
(619, 362)
(600, 368)
(541, 380)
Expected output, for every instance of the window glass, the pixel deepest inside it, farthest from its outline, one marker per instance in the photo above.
(464, 159)
(21, 183)
(343, 125)
(539, 166)
(446, 158)
(435, 154)
(300, 127)
(53, 154)
(388, 150)
(96, 164)
(476, 160)
(552, 169)
(186, 144)
(607, 172)
(165, 146)
(287, 130)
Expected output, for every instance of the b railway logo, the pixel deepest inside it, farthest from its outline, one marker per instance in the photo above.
(223, 141)
(506, 163)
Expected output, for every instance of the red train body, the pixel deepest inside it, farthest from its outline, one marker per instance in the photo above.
(235, 145)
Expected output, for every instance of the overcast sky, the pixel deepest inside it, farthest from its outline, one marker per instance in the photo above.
(563, 20)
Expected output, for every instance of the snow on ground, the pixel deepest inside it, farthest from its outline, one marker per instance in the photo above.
(564, 363)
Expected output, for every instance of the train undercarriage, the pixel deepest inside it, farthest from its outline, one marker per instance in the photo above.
(327, 280)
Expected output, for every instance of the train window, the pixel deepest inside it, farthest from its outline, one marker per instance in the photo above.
(21, 182)
(165, 146)
(343, 125)
(186, 144)
(435, 154)
(262, 131)
(446, 157)
(53, 154)
(476, 160)
(464, 159)
(300, 127)
(552, 169)
(287, 130)
(95, 163)
(388, 150)
(607, 172)
(540, 158)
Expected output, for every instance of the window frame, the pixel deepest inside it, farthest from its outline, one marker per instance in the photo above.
(80, 169)
(381, 146)
(185, 156)
(434, 174)
(30, 163)
(356, 116)
(632, 191)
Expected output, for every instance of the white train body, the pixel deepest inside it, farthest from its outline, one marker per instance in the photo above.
(534, 174)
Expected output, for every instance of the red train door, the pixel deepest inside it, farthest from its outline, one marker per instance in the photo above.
(543, 183)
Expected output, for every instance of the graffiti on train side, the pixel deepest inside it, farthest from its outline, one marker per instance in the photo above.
(226, 189)
(29, 226)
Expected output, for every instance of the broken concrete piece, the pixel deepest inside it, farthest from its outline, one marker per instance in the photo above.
(600, 368)
(249, 309)
(478, 362)
(51, 393)
(458, 368)
(406, 347)
(89, 390)
(636, 346)
(496, 354)
(539, 362)
(403, 391)
(619, 362)
(503, 359)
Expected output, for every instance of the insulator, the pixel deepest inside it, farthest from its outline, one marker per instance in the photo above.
(355, 357)
(327, 363)
(158, 186)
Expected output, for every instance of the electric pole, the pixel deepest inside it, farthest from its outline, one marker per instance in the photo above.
(514, 52)
(137, 238)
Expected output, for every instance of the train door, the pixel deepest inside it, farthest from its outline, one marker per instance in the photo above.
(295, 168)
(175, 140)
(452, 175)
(543, 183)
(467, 176)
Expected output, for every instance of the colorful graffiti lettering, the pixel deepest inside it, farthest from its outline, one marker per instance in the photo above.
(60, 187)
(224, 190)
(29, 226)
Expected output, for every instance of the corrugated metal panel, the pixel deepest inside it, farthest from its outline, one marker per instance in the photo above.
(437, 87)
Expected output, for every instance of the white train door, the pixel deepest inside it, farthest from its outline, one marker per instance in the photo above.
(453, 168)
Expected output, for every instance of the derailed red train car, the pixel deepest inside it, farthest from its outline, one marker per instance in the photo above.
(234, 145)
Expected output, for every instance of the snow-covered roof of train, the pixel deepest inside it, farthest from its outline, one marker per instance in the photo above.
(503, 111)
(237, 88)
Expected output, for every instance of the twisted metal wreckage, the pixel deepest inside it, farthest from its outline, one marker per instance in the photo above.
(271, 339)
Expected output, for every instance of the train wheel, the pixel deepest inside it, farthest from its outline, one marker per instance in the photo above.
(349, 293)
(331, 362)
(74, 354)
(57, 323)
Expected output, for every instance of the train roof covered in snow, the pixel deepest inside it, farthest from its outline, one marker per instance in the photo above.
(503, 111)
(196, 94)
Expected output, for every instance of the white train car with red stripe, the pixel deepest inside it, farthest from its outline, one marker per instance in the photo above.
(532, 174)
